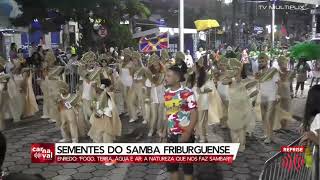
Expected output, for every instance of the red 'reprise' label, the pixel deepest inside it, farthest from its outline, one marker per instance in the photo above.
(292, 149)
(42, 153)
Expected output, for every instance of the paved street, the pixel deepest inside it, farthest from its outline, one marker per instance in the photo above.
(247, 166)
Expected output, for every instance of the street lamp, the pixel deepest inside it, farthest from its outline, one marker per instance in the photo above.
(181, 26)
(273, 21)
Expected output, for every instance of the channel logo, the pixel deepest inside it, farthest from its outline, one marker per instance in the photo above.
(42, 153)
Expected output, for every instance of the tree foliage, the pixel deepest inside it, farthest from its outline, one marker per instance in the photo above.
(53, 13)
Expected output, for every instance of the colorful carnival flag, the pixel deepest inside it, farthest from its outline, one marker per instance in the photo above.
(156, 43)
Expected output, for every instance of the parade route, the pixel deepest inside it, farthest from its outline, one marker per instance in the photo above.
(247, 166)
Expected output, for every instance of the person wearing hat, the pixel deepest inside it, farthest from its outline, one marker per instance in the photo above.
(155, 74)
(105, 121)
(72, 121)
(240, 110)
(202, 86)
(268, 86)
(136, 91)
(180, 60)
(181, 112)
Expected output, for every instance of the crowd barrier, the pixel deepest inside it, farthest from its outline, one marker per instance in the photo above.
(291, 166)
(70, 76)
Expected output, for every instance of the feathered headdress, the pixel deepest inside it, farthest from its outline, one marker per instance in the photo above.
(89, 58)
(180, 56)
(308, 51)
(136, 55)
(94, 75)
(233, 66)
(165, 55)
(56, 72)
(50, 58)
(283, 61)
(153, 58)
(127, 52)
(62, 86)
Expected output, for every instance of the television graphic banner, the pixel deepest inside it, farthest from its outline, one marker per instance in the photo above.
(134, 153)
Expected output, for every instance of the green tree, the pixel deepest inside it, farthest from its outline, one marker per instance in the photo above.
(54, 13)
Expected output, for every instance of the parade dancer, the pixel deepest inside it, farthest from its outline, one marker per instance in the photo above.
(268, 87)
(136, 90)
(54, 76)
(44, 82)
(4, 78)
(284, 87)
(240, 109)
(222, 89)
(72, 121)
(181, 113)
(156, 75)
(17, 91)
(202, 86)
(31, 106)
(125, 76)
(88, 85)
(105, 121)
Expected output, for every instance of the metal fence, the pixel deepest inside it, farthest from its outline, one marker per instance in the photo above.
(36, 77)
(291, 166)
(70, 76)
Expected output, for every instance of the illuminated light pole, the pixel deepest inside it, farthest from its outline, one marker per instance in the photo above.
(273, 21)
(181, 26)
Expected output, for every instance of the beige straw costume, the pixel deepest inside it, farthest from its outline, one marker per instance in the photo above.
(3, 98)
(136, 94)
(31, 106)
(73, 124)
(268, 88)
(156, 97)
(105, 121)
(240, 110)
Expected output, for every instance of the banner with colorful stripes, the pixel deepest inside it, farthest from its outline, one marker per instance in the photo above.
(155, 43)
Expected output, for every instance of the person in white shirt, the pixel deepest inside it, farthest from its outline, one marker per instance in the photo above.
(189, 60)
(199, 53)
(268, 83)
